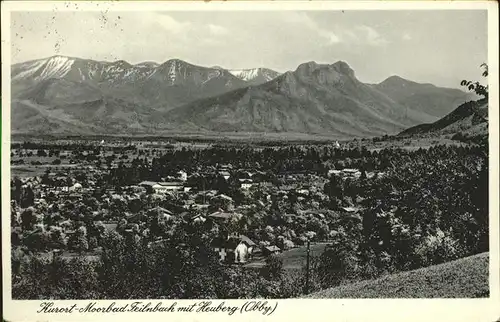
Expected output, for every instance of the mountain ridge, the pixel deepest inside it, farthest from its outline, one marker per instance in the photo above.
(315, 98)
(468, 118)
(422, 97)
(324, 99)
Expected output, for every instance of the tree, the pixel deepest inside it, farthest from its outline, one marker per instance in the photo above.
(274, 267)
(476, 87)
(28, 219)
(334, 188)
(28, 197)
(45, 178)
(336, 263)
(57, 238)
(78, 241)
(16, 185)
(37, 240)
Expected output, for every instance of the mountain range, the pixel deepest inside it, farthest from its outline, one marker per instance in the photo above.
(72, 95)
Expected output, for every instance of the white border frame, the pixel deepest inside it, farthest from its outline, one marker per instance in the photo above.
(293, 309)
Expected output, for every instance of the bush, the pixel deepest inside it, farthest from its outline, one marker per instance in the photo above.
(438, 248)
(274, 267)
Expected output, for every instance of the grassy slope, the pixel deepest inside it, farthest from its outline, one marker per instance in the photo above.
(463, 278)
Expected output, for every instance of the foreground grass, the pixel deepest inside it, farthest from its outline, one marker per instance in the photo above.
(464, 278)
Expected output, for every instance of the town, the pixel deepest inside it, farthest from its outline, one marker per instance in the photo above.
(77, 179)
(239, 210)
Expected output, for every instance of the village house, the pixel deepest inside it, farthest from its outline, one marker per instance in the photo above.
(228, 166)
(76, 187)
(162, 187)
(350, 209)
(198, 218)
(269, 250)
(350, 173)
(246, 183)
(148, 185)
(136, 189)
(225, 174)
(182, 175)
(312, 212)
(334, 172)
(225, 216)
(161, 212)
(234, 249)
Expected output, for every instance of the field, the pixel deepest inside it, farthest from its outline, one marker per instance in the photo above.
(462, 278)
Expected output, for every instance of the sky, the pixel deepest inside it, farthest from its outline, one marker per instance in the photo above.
(438, 47)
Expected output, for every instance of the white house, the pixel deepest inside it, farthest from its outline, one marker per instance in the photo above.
(76, 187)
(162, 187)
(171, 186)
(246, 183)
(241, 253)
(225, 174)
(182, 175)
(235, 249)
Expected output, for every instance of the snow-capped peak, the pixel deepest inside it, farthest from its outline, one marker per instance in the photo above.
(253, 73)
(245, 74)
(53, 67)
(56, 67)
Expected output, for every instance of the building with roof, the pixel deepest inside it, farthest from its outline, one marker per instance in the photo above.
(182, 175)
(234, 249)
(161, 211)
(162, 187)
(246, 183)
(225, 174)
(269, 250)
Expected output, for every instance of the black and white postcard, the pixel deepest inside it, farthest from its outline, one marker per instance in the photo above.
(180, 161)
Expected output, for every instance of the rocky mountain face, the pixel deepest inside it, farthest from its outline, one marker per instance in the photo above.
(315, 98)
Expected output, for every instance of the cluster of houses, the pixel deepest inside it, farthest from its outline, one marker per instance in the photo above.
(238, 248)
(233, 246)
(352, 173)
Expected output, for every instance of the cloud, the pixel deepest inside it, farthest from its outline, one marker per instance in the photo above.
(217, 30)
(331, 37)
(302, 19)
(406, 36)
(170, 24)
(279, 39)
(371, 36)
(362, 35)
